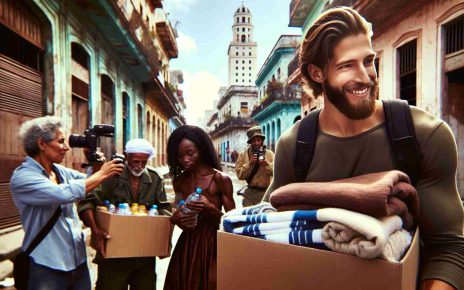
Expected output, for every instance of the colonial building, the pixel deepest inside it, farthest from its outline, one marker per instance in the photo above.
(279, 105)
(420, 54)
(237, 100)
(302, 14)
(88, 62)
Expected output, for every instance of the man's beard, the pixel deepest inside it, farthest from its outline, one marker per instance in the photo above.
(135, 173)
(361, 110)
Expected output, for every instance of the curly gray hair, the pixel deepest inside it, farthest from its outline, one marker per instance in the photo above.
(32, 130)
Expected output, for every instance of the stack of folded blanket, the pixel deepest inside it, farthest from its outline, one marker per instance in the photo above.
(367, 216)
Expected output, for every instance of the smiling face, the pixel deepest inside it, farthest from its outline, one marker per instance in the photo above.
(188, 155)
(55, 150)
(351, 83)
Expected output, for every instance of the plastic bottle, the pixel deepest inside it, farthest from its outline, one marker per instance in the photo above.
(106, 203)
(112, 208)
(134, 208)
(124, 209)
(153, 211)
(194, 196)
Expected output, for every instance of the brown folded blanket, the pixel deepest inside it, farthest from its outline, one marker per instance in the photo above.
(376, 194)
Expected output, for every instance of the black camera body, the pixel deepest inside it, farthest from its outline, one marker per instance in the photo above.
(260, 153)
(121, 158)
(91, 140)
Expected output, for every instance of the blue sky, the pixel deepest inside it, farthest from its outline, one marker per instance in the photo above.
(205, 31)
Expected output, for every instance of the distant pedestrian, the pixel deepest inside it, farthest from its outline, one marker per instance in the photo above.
(255, 165)
(234, 156)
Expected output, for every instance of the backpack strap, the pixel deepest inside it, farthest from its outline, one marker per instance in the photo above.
(404, 145)
(306, 144)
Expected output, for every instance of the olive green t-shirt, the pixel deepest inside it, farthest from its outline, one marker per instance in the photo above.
(441, 212)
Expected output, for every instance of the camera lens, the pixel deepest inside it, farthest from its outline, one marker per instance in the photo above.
(76, 140)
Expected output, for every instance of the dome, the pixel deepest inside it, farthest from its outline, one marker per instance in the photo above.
(242, 9)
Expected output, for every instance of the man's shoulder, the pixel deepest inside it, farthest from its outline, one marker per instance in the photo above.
(424, 123)
(289, 136)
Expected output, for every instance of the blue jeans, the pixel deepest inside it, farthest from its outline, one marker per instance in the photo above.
(44, 278)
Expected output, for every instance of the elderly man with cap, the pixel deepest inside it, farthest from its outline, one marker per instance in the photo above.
(255, 165)
(140, 184)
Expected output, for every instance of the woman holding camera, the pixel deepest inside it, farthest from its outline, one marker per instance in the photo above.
(42, 188)
(193, 163)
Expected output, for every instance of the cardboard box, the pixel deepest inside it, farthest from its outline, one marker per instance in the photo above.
(250, 263)
(135, 236)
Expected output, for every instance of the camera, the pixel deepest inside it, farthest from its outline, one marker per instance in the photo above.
(260, 153)
(91, 140)
(118, 157)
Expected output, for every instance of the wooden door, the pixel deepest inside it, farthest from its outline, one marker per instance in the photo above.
(20, 100)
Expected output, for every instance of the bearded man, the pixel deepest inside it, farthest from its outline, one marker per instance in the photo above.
(337, 62)
(140, 184)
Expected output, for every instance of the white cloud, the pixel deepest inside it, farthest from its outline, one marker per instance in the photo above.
(200, 89)
(186, 44)
(181, 4)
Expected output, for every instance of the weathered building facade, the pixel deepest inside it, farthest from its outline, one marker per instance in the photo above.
(279, 105)
(88, 62)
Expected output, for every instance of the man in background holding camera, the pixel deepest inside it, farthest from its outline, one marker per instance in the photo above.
(256, 166)
(140, 184)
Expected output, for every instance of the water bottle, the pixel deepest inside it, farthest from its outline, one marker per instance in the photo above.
(194, 196)
(153, 211)
(112, 208)
(106, 203)
(124, 209)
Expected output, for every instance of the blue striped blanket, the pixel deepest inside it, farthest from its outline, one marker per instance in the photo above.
(292, 227)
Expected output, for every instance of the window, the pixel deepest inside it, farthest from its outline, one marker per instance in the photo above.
(249, 81)
(454, 35)
(236, 61)
(236, 53)
(249, 74)
(238, 29)
(249, 53)
(236, 67)
(249, 68)
(243, 61)
(249, 61)
(243, 74)
(243, 19)
(243, 53)
(407, 69)
(244, 107)
(238, 19)
(236, 81)
(243, 67)
(243, 38)
(249, 29)
(243, 81)
(243, 29)
(236, 74)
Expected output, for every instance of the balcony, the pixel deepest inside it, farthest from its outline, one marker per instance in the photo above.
(299, 10)
(294, 69)
(167, 35)
(230, 124)
(154, 4)
(276, 93)
(127, 34)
